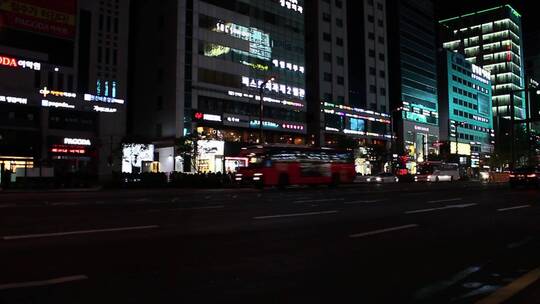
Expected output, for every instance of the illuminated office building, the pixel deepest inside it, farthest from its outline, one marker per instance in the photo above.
(413, 81)
(492, 39)
(63, 84)
(465, 109)
(198, 67)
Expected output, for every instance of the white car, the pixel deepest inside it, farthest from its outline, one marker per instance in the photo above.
(445, 174)
(383, 178)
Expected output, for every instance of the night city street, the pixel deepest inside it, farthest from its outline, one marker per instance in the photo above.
(414, 243)
(269, 151)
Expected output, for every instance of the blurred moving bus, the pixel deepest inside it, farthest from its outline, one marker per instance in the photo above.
(282, 165)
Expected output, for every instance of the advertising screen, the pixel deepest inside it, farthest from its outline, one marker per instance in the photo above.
(55, 18)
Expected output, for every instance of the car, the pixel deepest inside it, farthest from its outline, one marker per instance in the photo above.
(383, 178)
(446, 172)
(362, 178)
(421, 177)
(524, 176)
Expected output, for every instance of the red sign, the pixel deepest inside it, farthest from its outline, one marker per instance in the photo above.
(63, 149)
(199, 116)
(8, 61)
(50, 17)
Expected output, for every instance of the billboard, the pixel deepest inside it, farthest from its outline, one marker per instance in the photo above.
(56, 18)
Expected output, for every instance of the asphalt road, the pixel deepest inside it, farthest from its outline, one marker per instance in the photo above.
(400, 243)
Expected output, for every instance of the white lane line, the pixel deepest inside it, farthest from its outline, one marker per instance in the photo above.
(513, 208)
(201, 208)
(383, 231)
(364, 202)
(55, 234)
(43, 283)
(446, 200)
(319, 200)
(441, 208)
(294, 214)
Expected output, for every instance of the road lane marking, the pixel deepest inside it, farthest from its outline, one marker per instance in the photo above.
(55, 234)
(441, 208)
(319, 200)
(383, 231)
(446, 200)
(364, 202)
(43, 283)
(505, 293)
(294, 214)
(513, 208)
(201, 208)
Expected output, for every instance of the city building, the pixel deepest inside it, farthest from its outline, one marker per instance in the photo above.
(368, 68)
(412, 55)
(326, 65)
(492, 40)
(64, 84)
(205, 67)
(465, 110)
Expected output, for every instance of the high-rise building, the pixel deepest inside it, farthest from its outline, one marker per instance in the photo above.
(492, 39)
(413, 81)
(465, 112)
(327, 62)
(63, 84)
(202, 66)
(368, 68)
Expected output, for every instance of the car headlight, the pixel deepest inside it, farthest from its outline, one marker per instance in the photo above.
(378, 179)
(531, 175)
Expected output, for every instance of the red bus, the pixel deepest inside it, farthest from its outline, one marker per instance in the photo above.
(282, 165)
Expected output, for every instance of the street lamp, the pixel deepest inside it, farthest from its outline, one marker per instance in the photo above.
(261, 107)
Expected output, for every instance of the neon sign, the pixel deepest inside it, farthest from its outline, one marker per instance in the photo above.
(289, 66)
(266, 124)
(12, 62)
(68, 150)
(104, 109)
(52, 104)
(90, 97)
(45, 91)
(275, 87)
(292, 5)
(266, 99)
(292, 127)
(77, 141)
(14, 100)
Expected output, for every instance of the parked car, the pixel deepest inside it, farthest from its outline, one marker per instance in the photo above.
(383, 178)
(525, 176)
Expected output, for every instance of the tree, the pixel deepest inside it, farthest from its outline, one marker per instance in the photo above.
(186, 148)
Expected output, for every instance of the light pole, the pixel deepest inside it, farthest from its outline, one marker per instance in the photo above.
(261, 107)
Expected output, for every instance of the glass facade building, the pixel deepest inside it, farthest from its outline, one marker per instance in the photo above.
(413, 82)
(492, 39)
(465, 107)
